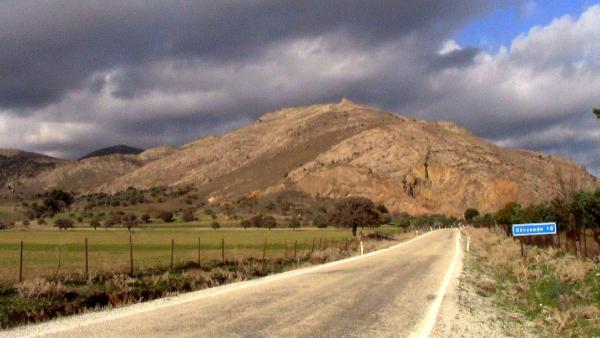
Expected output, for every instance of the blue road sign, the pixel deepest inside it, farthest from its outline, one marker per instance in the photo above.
(534, 229)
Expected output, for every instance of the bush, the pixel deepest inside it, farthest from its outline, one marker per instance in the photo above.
(319, 222)
(112, 221)
(41, 221)
(188, 215)
(215, 225)
(146, 218)
(471, 214)
(166, 216)
(26, 223)
(63, 223)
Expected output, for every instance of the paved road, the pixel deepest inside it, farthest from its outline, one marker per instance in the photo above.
(385, 294)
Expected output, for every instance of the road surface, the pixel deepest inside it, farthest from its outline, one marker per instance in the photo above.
(390, 293)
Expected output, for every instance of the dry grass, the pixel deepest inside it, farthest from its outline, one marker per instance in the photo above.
(558, 291)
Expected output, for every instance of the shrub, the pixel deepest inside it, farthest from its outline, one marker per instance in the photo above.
(166, 216)
(26, 223)
(215, 225)
(188, 215)
(471, 214)
(112, 221)
(319, 222)
(63, 223)
(146, 218)
(41, 221)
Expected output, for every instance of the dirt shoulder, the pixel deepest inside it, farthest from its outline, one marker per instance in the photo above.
(467, 312)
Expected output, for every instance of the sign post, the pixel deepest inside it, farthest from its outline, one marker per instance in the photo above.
(533, 229)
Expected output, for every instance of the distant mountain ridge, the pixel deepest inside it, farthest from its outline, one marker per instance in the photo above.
(337, 150)
(122, 149)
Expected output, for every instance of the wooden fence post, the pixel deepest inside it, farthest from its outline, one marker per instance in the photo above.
(264, 256)
(522, 250)
(21, 264)
(87, 275)
(223, 249)
(172, 252)
(130, 256)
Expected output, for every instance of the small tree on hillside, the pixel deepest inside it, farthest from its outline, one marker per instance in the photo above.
(354, 212)
(269, 222)
(471, 214)
(245, 224)
(129, 221)
(215, 225)
(597, 112)
(95, 223)
(146, 218)
(294, 223)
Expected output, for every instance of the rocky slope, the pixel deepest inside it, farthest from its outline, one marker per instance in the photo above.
(338, 150)
(344, 149)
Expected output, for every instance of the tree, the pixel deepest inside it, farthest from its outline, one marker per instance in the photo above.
(470, 214)
(597, 112)
(215, 225)
(56, 200)
(354, 212)
(245, 224)
(166, 216)
(95, 223)
(295, 222)
(257, 221)
(508, 215)
(146, 218)
(129, 221)
(269, 222)
(63, 223)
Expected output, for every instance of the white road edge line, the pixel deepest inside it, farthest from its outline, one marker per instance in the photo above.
(430, 319)
(76, 321)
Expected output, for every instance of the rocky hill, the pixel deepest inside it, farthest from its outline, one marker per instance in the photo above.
(338, 150)
(16, 165)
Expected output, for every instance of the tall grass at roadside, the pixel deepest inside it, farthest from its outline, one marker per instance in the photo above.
(551, 287)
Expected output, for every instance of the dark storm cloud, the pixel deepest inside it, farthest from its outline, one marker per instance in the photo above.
(49, 48)
(75, 76)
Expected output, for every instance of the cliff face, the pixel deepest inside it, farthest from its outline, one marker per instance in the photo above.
(345, 149)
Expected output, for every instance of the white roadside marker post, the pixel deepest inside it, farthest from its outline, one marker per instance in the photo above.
(430, 229)
(468, 243)
(362, 250)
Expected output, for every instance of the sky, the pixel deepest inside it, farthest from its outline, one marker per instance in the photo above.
(76, 76)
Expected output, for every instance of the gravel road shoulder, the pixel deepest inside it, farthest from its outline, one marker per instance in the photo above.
(465, 312)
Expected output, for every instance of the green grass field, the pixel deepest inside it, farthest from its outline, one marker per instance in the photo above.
(108, 249)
